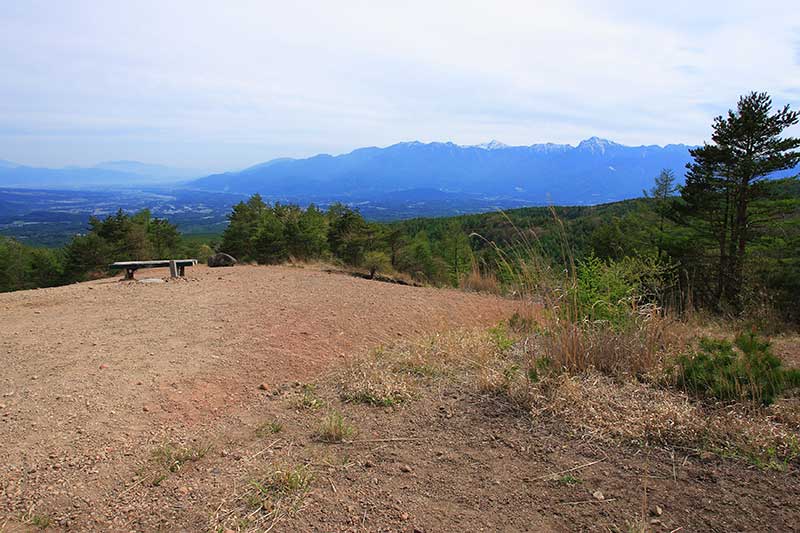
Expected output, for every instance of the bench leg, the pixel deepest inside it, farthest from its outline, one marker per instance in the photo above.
(182, 271)
(129, 273)
(173, 269)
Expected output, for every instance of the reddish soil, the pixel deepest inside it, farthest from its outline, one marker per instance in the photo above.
(96, 374)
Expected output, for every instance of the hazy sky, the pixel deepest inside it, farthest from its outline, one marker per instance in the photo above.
(225, 84)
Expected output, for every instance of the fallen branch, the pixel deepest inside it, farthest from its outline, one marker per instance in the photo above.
(568, 470)
(588, 501)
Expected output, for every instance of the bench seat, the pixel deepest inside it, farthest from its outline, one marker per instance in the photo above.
(132, 266)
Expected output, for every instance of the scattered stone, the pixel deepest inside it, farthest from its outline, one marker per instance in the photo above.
(658, 511)
(404, 516)
(146, 409)
(264, 386)
(221, 260)
(598, 495)
(184, 490)
(405, 468)
(103, 366)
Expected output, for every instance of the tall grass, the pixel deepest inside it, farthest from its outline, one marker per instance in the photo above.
(602, 315)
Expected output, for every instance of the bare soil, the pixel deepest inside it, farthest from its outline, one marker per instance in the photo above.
(100, 377)
(96, 374)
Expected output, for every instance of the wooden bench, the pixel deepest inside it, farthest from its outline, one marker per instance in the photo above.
(177, 267)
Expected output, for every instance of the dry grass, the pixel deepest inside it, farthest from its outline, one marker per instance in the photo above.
(173, 457)
(590, 404)
(634, 350)
(334, 429)
(478, 281)
(267, 499)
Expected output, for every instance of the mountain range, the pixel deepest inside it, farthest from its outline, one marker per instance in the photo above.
(106, 174)
(595, 171)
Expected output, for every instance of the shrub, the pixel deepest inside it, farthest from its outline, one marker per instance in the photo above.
(743, 370)
(376, 262)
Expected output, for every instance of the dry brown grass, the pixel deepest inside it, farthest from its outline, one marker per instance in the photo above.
(589, 404)
(479, 281)
(635, 350)
(266, 499)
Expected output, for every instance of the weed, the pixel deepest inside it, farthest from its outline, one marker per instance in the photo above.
(173, 458)
(568, 480)
(40, 521)
(369, 398)
(335, 428)
(309, 398)
(269, 428)
(501, 338)
(279, 492)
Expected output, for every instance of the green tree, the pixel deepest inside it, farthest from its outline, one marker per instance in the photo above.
(661, 193)
(243, 222)
(347, 234)
(727, 176)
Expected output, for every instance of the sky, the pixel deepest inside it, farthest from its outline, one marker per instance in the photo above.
(221, 85)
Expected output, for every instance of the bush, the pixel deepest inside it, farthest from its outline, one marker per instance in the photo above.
(743, 370)
(376, 262)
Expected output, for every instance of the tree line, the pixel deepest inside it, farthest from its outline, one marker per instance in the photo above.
(117, 237)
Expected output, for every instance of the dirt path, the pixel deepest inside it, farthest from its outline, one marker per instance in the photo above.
(94, 374)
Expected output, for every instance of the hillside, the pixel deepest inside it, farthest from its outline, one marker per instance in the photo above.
(211, 404)
(594, 171)
(97, 375)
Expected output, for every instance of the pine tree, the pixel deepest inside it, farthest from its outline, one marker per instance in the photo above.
(727, 176)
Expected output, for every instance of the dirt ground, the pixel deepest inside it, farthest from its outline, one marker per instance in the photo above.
(100, 380)
(96, 374)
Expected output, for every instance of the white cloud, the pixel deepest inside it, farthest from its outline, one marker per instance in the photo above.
(224, 84)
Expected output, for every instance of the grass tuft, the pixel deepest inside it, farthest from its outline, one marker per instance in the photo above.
(335, 429)
(172, 458)
(269, 428)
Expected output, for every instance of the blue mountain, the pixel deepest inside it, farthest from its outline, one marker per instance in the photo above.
(108, 174)
(594, 171)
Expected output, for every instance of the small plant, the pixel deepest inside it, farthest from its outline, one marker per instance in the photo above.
(309, 398)
(568, 480)
(335, 429)
(173, 458)
(743, 370)
(501, 338)
(269, 428)
(369, 397)
(281, 491)
(41, 521)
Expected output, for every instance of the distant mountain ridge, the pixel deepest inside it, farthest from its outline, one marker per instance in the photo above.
(596, 170)
(106, 174)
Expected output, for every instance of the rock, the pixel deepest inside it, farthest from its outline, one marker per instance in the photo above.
(221, 260)
(103, 366)
(146, 409)
(183, 490)
(405, 468)
(404, 516)
(598, 495)
(263, 386)
(658, 511)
